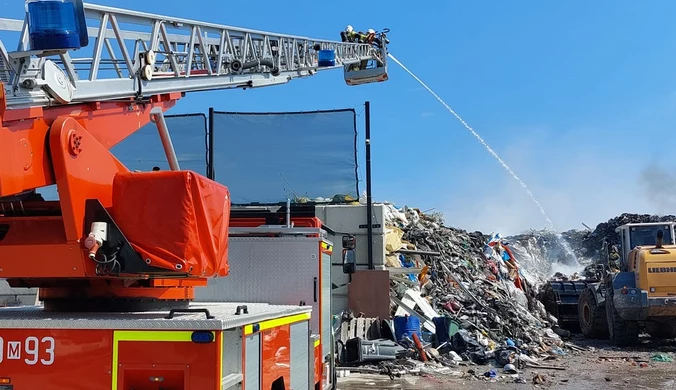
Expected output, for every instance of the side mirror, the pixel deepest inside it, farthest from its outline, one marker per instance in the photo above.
(349, 261)
(349, 242)
(349, 254)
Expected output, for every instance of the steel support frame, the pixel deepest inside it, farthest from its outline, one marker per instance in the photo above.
(190, 56)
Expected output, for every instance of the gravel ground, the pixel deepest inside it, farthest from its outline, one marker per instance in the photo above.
(604, 367)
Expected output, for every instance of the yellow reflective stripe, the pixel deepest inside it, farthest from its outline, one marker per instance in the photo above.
(134, 335)
(220, 362)
(115, 357)
(317, 343)
(269, 324)
(144, 335)
(326, 247)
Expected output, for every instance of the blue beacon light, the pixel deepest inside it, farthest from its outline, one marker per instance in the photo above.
(56, 24)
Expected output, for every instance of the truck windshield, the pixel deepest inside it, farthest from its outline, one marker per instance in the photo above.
(647, 235)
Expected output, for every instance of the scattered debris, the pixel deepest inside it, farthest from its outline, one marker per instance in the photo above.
(545, 367)
(539, 379)
(662, 357)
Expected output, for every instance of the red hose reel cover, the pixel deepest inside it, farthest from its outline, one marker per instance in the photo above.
(176, 219)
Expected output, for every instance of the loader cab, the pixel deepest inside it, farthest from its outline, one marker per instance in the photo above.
(633, 235)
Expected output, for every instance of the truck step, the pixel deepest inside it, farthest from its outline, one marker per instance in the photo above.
(231, 381)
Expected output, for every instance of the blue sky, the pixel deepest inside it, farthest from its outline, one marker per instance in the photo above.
(577, 97)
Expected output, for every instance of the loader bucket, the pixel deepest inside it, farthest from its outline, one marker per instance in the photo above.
(560, 298)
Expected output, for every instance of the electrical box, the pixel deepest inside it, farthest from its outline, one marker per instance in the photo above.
(351, 219)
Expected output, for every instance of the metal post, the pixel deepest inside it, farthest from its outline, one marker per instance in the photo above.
(211, 172)
(369, 202)
(288, 212)
(157, 117)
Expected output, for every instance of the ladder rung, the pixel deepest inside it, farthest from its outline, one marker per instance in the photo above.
(5, 69)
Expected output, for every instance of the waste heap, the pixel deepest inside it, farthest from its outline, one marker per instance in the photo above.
(467, 299)
(585, 244)
(544, 253)
(593, 241)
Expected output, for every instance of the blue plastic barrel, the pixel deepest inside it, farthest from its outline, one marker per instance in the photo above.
(52, 25)
(406, 326)
(326, 58)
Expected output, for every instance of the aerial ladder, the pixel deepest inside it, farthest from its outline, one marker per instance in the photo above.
(118, 256)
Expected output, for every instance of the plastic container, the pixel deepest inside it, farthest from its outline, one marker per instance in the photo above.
(406, 326)
(53, 25)
(326, 58)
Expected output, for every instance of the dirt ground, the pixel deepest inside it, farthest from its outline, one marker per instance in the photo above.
(603, 367)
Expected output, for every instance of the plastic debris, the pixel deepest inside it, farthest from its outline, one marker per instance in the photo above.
(510, 369)
(661, 357)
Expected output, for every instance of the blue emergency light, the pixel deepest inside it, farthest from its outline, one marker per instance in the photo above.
(202, 337)
(56, 24)
(326, 58)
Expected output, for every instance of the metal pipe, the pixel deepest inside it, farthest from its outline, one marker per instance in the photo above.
(288, 213)
(211, 172)
(415, 252)
(157, 117)
(237, 65)
(369, 202)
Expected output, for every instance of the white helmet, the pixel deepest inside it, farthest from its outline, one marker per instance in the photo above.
(349, 28)
(372, 31)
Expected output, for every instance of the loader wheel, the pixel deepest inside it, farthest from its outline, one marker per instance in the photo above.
(592, 319)
(622, 333)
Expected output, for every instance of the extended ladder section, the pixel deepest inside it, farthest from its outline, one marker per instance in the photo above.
(136, 54)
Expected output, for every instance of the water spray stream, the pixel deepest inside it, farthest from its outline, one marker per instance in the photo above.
(490, 150)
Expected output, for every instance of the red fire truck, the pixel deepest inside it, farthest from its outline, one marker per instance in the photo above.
(118, 257)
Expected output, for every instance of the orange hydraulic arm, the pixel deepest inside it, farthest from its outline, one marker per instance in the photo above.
(42, 243)
(121, 240)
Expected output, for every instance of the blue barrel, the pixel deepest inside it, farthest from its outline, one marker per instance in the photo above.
(326, 58)
(52, 25)
(406, 326)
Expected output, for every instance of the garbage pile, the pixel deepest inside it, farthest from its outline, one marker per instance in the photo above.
(547, 249)
(543, 253)
(466, 301)
(593, 241)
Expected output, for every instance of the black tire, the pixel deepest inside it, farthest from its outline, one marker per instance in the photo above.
(622, 333)
(591, 317)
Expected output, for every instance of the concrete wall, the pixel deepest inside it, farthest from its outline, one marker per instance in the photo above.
(352, 219)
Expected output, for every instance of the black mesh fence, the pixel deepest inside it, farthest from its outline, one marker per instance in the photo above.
(261, 157)
(143, 149)
(269, 157)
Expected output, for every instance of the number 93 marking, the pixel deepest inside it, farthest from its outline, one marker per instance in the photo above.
(34, 350)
